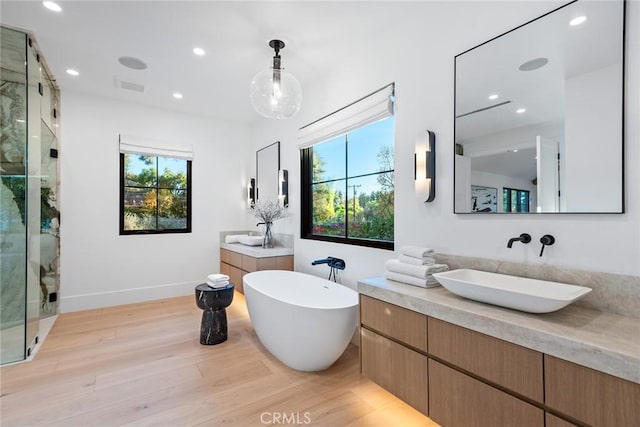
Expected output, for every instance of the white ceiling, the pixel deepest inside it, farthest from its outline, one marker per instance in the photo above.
(493, 68)
(90, 36)
(520, 164)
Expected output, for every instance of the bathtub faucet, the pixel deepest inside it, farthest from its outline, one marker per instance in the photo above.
(333, 262)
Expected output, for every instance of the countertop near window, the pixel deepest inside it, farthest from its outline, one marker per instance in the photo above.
(606, 342)
(256, 251)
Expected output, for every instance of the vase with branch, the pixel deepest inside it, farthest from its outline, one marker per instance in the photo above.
(267, 211)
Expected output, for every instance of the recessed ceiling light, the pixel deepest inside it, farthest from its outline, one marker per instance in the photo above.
(133, 63)
(198, 51)
(20, 120)
(515, 151)
(177, 95)
(494, 96)
(533, 64)
(51, 5)
(521, 110)
(72, 72)
(577, 21)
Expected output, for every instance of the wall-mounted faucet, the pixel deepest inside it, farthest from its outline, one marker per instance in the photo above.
(546, 240)
(524, 238)
(334, 263)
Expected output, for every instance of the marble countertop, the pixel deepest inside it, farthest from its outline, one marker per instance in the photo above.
(606, 342)
(256, 251)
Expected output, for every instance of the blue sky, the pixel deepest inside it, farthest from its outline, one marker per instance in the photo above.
(364, 145)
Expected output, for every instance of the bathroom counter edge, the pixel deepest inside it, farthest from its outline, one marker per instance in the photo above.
(606, 342)
(256, 251)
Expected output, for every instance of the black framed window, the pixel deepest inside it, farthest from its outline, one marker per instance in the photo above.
(155, 194)
(348, 187)
(514, 200)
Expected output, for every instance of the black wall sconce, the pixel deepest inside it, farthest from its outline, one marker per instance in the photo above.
(424, 168)
(251, 192)
(283, 190)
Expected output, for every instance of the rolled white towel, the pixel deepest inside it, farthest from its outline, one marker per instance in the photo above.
(419, 271)
(233, 238)
(416, 251)
(216, 285)
(416, 261)
(410, 280)
(218, 277)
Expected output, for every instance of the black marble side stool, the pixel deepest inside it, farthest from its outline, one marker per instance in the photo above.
(213, 328)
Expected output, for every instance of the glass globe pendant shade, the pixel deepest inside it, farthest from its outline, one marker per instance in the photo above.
(275, 94)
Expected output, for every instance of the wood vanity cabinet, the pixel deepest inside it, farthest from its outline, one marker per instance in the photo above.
(484, 381)
(395, 366)
(456, 399)
(236, 265)
(553, 421)
(407, 326)
(472, 379)
(505, 364)
(590, 396)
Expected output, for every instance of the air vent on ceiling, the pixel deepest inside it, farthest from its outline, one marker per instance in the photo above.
(484, 109)
(121, 84)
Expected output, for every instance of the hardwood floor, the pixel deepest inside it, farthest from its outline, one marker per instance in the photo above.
(143, 365)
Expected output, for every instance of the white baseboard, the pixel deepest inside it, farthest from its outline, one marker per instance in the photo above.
(72, 303)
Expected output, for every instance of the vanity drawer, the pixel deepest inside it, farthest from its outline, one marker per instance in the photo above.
(456, 399)
(235, 275)
(404, 325)
(230, 257)
(590, 396)
(395, 368)
(251, 264)
(224, 256)
(284, 262)
(505, 364)
(553, 421)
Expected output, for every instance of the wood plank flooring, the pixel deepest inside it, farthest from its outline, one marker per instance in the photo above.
(142, 365)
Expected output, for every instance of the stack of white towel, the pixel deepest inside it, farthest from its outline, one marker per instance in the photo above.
(415, 266)
(217, 280)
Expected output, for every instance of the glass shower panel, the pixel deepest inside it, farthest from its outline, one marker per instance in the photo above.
(49, 221)
(35, 91)
(13, 223)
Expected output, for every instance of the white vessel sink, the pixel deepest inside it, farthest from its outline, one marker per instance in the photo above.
(250, 240)
(519, 293)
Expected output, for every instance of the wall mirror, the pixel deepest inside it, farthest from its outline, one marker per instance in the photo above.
(539, 115)
(267, 168)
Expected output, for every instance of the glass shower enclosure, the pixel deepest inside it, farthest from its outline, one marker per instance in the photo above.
(29, 215)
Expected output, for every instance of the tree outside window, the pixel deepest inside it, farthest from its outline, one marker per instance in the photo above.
(350, 193)
(155, 194)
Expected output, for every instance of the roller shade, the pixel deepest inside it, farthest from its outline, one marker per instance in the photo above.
(371, 108)
(136, 145)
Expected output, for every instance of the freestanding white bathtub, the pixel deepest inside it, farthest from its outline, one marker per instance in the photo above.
(303, 320)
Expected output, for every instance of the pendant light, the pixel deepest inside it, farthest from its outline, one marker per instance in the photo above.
(275, 93)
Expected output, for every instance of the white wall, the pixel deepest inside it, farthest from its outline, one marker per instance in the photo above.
(417, 52)
(593, 98)
(98, 266)
(518, 138)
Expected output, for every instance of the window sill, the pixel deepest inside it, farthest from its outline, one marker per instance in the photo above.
(379, 244)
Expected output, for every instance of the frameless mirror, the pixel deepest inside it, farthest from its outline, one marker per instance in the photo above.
(267, 168)
(539, 115)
